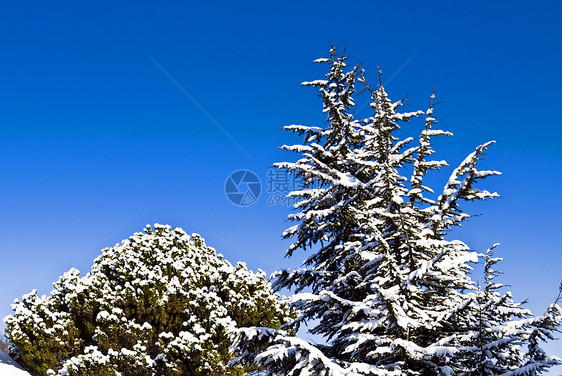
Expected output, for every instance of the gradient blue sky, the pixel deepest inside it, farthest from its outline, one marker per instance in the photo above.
(96, 141)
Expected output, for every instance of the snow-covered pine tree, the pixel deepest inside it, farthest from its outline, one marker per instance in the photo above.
(328, 214)
(499, 336)
(383, 285)
(159, 303)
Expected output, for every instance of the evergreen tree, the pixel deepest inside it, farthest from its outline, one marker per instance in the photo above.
(159, 303)
(383, 285)
(501, 337)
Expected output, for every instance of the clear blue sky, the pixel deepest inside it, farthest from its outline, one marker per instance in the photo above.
(96, 141)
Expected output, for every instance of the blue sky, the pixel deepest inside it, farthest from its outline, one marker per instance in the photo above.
(96, 141)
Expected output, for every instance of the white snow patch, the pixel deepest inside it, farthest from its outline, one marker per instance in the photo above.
(10, 368)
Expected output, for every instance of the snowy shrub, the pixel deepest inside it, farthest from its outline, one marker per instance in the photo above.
(159, 303)
(385, 285)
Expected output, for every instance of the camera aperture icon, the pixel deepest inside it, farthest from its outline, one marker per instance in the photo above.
(243, 188)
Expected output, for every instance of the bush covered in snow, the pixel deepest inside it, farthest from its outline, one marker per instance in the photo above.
(159, 303)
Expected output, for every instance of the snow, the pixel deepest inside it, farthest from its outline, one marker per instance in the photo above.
(10, 368)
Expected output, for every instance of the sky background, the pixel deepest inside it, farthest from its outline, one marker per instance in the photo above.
(97, 141)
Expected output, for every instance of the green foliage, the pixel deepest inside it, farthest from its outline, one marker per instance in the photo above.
(161, 303)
